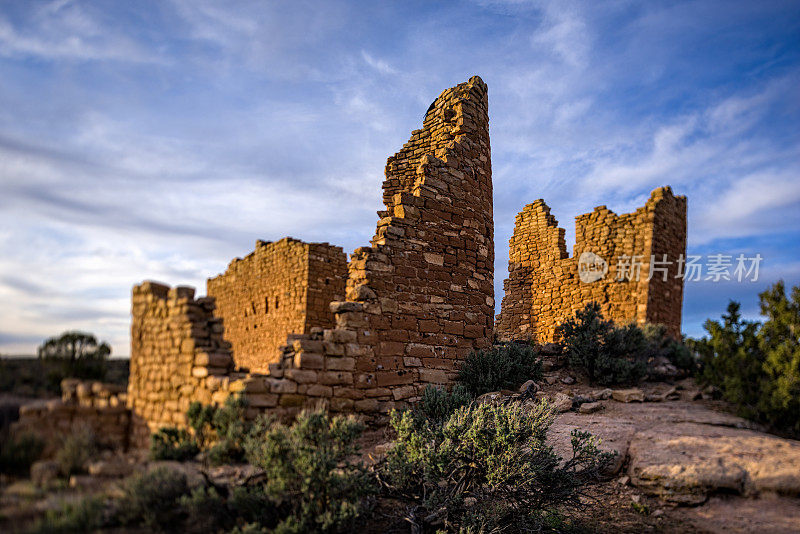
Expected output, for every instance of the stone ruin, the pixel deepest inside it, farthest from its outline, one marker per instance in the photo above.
(545, 285)
(294, 325)
(278, 289)
(415, 303)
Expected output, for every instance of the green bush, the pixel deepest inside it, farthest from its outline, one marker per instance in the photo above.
(501, 367)
(608, 354)
(488, 468)
(76, 450)
(18, 452)
(152, 499)
(757, 366)
(86, 515)
(219, 431)
(171, 443)
(659, 343)
(437, 404)
(311, 472)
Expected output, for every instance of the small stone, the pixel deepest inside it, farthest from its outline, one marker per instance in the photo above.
(628, 395)
(562, 403)
(590, 407)
(568, 380)
(529, 388)
(624, 481)
(601, 394)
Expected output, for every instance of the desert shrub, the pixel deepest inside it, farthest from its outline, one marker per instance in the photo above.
(310, 469)
(608, 354)
(437, 404)
(18, 452)
(757, 366)
(76, 450)
(152, 499)
(501, 367)
(660, 343)
(200, 418)
(171, 443)
(219, 431)
(488, 468)
(86, 515)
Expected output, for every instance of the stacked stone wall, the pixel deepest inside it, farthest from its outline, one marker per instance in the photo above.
(278, 289)
(420, 298)
(544, 285)
(416, 302)
(177, 346)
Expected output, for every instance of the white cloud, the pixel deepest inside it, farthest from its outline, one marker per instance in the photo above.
(69, 31)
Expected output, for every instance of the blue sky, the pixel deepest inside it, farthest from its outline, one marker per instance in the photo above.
(158, 140)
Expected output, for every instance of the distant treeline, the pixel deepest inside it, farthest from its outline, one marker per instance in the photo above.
(34, 377)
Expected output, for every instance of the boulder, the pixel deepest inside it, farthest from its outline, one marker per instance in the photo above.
(613, 435)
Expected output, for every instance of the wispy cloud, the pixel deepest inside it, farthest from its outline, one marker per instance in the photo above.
(160, 139)
(68, 30)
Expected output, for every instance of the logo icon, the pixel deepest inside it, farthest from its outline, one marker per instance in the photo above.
(591, 267)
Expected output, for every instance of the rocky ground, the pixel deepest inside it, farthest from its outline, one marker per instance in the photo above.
(684, 463)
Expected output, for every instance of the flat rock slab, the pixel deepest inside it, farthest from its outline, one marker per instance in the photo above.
(686, 462)
(614, 435)
(628, 395)
(683, 452)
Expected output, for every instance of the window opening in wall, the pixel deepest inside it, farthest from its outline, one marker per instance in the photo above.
(266, 305)
(276, 302)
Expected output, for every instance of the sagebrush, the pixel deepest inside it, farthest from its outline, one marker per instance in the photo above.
(312, 470)
(217, 431)
(488, 468)
(76, 450)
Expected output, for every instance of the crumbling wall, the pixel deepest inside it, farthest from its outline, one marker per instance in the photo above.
(84, 404)
(417, 300)
(421, 296)
(176, 344)
(279, 288)
(544, 285)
